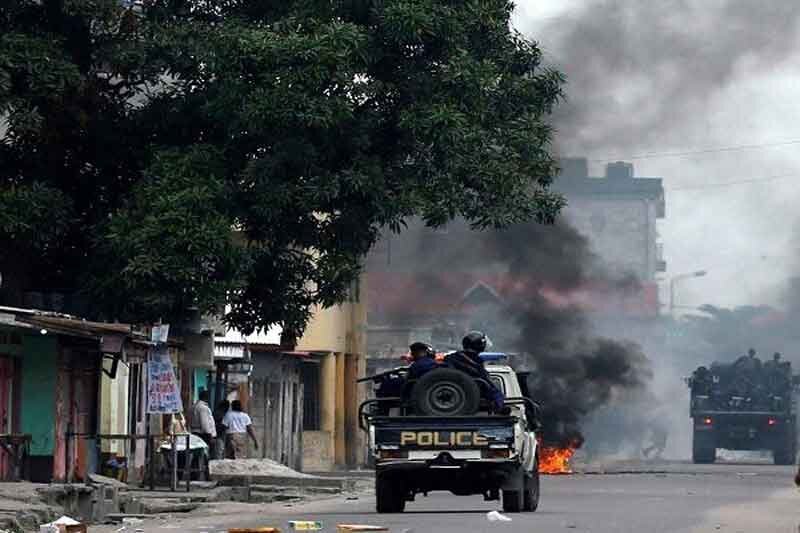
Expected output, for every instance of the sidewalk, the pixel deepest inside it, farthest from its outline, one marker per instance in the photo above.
(22, 506)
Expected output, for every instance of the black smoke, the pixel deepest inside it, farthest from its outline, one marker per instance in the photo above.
(639, 71)
(574, 370)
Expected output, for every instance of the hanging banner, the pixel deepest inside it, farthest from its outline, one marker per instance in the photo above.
(163, 393)
(160, 334)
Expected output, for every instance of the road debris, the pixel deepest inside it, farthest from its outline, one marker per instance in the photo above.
(495, 516)
(305, 525)
(254, 530)
(65, 524)
(348, 528)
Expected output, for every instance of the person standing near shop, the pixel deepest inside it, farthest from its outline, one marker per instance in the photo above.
(203, 421)
(238, 427)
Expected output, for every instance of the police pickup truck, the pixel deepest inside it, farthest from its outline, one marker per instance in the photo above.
(440, 435)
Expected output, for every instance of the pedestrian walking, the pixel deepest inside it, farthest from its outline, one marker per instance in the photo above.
(238, 426)
(203, 421)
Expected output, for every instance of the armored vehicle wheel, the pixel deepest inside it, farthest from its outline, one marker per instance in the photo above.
(445, 392)
(782, 456)
(703, 454)
(704, 450)
(786, 450)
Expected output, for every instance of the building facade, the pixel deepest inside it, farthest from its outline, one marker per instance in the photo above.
(336, 345)
(301, 395)
(432, 285)
(73, 394)
(618, 213)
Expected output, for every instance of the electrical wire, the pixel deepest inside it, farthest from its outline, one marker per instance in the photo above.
(729, 183)
(716, 150)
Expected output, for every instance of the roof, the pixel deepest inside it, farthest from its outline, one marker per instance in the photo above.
(442, 294)
(78, 325)
(60, 323)
(25, 311)
(229, 351)
(271, 336)
(499, 369)
(12, 322)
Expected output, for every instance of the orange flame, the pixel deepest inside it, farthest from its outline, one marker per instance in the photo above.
(554, 460)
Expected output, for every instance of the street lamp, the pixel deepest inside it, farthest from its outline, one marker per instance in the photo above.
(674, 279)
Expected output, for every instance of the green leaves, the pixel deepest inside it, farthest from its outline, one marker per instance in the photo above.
(175, 233)
(250, 153)
(34, 214)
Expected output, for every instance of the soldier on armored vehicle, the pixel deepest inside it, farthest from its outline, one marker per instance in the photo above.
(744, 405)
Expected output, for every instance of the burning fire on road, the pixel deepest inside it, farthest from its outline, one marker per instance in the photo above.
(555, 459)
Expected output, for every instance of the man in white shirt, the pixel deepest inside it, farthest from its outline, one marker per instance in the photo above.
(203, 420)
(238, 426)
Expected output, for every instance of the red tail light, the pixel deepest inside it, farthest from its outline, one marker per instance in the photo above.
(495, 454)
(707, 421)
(392, 454)
(771, 422)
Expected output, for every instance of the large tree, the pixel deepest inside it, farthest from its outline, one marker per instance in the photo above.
(168, 154)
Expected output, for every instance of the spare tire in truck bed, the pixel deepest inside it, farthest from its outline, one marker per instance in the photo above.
(445, 392)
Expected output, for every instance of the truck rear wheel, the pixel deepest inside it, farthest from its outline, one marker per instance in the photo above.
(445, 392)
(513, 501)
(389, 494)
(531, 494)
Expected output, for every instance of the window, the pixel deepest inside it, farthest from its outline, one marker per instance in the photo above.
(499, 383)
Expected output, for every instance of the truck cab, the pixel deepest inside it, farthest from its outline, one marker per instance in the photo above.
(479, 453)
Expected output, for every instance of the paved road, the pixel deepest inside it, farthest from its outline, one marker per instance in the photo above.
(726, 498)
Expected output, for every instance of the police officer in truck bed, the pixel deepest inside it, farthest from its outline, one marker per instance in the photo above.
(423, 360)
(468, 360)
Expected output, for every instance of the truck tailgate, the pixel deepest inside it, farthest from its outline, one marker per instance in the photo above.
(434, 433)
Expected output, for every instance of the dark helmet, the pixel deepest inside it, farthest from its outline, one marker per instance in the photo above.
(751, 352)
(417, 347)
(474, 341)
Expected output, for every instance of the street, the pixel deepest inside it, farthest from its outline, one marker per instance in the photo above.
(674, 497)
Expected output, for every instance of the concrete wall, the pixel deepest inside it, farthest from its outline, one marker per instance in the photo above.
(354, 441)
(39, 370)
(276, 407)
(341, 332)
(341, 328)
(328, 407)
(327, 330)
(317, 451)
(622, 231)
